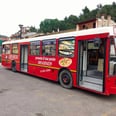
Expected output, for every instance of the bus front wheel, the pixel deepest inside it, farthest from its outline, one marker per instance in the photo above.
(65, 79)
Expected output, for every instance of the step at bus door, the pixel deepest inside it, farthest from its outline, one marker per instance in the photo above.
(90, 64)
(24, 58)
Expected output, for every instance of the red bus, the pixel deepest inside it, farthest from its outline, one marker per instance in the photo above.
(83, 59)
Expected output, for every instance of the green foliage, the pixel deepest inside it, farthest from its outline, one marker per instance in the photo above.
(49, 25)
(109, 10)
(53, 25)
(84, 15)
(33, 29)
(71, 21)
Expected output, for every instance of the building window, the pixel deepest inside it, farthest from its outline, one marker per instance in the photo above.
(35, 48)
(14, 48)
(83, 26)
(49, 48)
(94, 25)
(66, 47)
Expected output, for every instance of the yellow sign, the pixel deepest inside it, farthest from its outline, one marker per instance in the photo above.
(65, 62)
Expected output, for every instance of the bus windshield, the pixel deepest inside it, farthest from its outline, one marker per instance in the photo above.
(112, 61)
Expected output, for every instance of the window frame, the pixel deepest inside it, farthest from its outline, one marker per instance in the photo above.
(15, 48)
(111, 62)
(4, 50)
(66, 39)
(53, 51)
(36, 48)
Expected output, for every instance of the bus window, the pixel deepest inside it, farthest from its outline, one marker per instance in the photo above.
(66, 47)
(6, 49)
(112, 61)
(14, 48)
(49, 48)
(35, 48)
(3, 49)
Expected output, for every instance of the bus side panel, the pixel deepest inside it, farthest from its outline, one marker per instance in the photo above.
(43, 72)
(17, 66)
(112, 85)
(43, 67)
(49, 67)
(6, 62)
(74, 77)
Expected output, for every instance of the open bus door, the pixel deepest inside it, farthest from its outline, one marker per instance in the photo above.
(24, 58)
(91, 58)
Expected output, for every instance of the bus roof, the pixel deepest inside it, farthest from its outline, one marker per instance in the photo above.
(99, 30)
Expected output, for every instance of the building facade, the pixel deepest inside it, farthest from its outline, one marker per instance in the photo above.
(97, 22)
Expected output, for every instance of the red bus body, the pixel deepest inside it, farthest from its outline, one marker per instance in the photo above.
(75, 62)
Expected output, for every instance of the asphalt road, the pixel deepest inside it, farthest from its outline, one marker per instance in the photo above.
(25, 95)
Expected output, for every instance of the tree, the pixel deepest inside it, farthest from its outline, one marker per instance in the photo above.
(62, 25)
(114, 4)
(70, 22)
(109, 10)
(72, 19)
(49, 25)
(45, 26)
(55, 25)
(85, 11)
(99, 6)
(33, 29)
(85, 15)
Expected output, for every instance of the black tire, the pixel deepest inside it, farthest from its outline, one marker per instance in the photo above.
(13, 66)
(65, 79)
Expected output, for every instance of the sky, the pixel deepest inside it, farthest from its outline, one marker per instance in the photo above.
(32, 12)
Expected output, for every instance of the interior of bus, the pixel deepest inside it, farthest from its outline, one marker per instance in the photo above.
(91, 63)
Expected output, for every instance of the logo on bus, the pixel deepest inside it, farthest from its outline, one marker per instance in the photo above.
(65, 62)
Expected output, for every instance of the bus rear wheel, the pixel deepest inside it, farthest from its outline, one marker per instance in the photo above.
(65, 79)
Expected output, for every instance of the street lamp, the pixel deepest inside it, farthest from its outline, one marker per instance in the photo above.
(21, 29)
